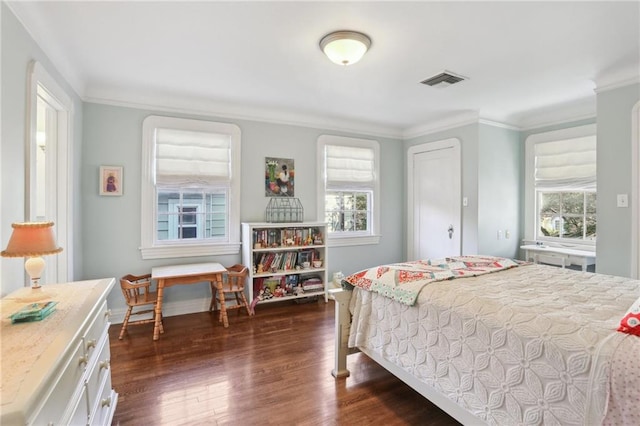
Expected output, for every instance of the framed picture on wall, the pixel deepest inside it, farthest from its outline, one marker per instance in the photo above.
(279, 177)
(111, 182)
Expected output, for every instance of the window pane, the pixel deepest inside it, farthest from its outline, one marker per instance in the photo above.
(550, 225)
(332, 201)
(348, 201)
(573, 203)
(591, 227)
(361, 221)
(333, 221)
(362, 202)
(573, 227)
(591, 199)
(550, 203)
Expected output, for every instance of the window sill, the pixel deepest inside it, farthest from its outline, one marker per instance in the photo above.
(169, 251)
(353, 241)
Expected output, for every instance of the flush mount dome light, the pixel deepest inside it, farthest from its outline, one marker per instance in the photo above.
(345, 47)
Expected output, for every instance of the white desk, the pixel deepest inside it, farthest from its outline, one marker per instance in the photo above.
(188, 274)
(561, 253)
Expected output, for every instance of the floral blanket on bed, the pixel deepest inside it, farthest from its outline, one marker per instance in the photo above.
(403, 282)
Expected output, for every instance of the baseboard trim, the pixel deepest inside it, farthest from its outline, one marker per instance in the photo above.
(169, 309)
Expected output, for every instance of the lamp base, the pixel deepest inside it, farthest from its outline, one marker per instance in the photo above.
(36, 294)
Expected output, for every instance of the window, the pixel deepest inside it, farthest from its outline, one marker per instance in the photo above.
(561, 186)
(348, 189)
(190, 188)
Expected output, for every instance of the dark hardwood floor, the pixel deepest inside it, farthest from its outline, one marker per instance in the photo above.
(271, 369)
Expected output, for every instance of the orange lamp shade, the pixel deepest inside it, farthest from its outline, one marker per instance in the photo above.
(31, 239)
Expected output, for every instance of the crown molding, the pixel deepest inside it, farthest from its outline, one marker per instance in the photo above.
(617, 85)
(239, 112)
(455, 120)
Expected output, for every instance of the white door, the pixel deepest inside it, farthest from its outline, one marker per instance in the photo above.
(49, 175)
(434, 207)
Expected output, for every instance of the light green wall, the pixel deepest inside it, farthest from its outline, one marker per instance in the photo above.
(499, 187)
(17, 51)
(614, 177)
(113, 136)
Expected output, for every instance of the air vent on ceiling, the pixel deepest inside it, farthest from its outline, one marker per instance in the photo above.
(443, 79)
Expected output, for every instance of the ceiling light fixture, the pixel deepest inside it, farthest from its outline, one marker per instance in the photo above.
(345, 47)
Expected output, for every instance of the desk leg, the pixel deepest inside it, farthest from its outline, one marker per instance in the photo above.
(158, 322)
(223, 304)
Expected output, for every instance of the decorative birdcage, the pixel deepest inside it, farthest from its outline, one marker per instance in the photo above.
(283, 210)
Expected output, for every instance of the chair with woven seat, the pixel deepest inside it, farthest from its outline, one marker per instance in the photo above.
(137, 293)
(233, 285)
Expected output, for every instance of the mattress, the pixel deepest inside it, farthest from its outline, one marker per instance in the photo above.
(528, 345)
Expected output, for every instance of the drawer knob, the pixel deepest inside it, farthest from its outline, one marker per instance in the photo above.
(82, 360)
(91, 343)
(106, 402)
(105, 364)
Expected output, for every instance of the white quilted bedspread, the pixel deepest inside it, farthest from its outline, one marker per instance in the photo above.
(529, 345)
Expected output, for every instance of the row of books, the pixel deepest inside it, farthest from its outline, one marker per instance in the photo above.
(286, 285)
(285, 260)
(287, 237)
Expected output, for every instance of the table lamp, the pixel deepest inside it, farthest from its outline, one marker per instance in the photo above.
(32, 240)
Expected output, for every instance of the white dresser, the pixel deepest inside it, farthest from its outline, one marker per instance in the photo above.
(57, 371)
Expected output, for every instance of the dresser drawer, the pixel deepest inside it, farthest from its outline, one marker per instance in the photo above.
(106, 405)
(96, 329)
(100, 369)
(78, 413)
(63, 388)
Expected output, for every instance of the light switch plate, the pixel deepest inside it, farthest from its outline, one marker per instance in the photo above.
(623, 200)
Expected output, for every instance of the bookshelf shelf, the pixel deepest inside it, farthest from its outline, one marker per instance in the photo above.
(275, 254)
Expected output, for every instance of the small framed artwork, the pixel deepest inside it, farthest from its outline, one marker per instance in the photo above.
(111, 180)
(279, 176)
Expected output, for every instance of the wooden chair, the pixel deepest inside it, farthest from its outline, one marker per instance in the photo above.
(137, 293)
(233, 284)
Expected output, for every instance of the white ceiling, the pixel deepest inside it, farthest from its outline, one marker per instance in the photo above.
(528, 63)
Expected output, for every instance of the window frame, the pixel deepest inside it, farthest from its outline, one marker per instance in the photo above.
(531, 202)
(151, 247)
(350, 238)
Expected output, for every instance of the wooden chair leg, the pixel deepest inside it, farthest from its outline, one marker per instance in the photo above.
(246, 305)
(123, 329)
(161, 326)
(213, 304)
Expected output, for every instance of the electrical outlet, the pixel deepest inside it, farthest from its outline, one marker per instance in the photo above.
(507, 234)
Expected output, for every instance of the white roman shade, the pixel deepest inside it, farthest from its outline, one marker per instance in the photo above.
(190, 158)
(566, 164)
(349, 167)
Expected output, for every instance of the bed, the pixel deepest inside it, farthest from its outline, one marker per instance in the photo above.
(496, 341)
